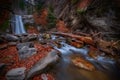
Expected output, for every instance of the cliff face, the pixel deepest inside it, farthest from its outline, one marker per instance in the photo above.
(78, 15)
(86, 15)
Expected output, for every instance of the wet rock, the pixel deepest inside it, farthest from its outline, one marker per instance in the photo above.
(23, 39)
(28, 44)
(11, 38)
(26, 52)
(50, 59)
(82, 63)
(16, 74)
(29, 37)
(40, 38)
(44, 38)
(32, 37)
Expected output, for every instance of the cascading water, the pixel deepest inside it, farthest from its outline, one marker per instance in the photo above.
(65, 70)
(67, 49)
(17, 25)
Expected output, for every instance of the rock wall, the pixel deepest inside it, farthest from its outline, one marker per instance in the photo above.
(86, 15)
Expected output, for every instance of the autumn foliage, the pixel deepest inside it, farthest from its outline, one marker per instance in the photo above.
(60, 25)
(10, 56)
(82, 63)
(83, 4)
(41, 18)
(32, 30)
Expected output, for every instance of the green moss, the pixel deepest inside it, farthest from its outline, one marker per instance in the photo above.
(39, 6)
(74, 1)
(51, 9)
(4, 26)
(22, 4)
(26, 26)
(81, 11)
(51, 18)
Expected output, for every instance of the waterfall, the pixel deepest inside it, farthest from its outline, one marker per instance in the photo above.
(21, 26)
(17, 24)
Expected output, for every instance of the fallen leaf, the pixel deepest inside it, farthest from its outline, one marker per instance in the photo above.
(82, 63)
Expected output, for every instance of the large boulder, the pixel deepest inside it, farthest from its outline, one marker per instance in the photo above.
(11, 38)
(16, 74)
(51, 58)
(28, 44)
(32, 37)
(26, 50)
(29, 37)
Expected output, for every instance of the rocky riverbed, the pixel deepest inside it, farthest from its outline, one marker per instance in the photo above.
(55, 57)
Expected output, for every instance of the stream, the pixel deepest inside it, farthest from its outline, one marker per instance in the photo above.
(106, 68)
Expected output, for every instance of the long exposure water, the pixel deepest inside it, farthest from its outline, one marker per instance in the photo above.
(106, 68)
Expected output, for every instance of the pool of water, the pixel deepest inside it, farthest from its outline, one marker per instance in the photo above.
(106, 68)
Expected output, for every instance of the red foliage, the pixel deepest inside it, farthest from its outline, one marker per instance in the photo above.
(41, 18)
(87, 40)
(10, 55)
(60, 25)
(77, 44)
(84, 4)
(32, 30)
